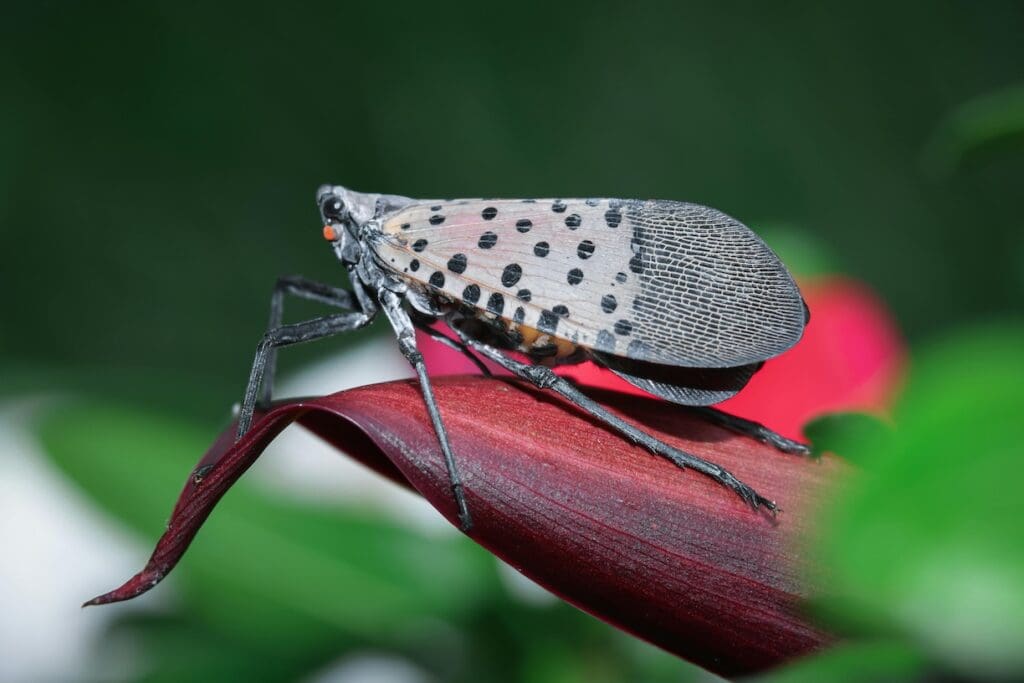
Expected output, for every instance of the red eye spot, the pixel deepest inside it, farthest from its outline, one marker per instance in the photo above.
(330, 234)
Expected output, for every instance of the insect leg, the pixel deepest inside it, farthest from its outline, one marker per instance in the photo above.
(544, 378)
(286, 335)
(754, 430)
(303, 288)
(406, 334)
(458, 346)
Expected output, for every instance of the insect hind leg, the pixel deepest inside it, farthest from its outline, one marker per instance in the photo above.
(406, 333)
(544, 378)
(754, 430)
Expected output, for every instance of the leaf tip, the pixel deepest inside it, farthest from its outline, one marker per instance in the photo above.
(132, 588)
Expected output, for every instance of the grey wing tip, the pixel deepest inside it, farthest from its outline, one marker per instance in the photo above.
(758, 311)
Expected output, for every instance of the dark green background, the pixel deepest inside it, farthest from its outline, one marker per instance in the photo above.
(159, 159)
(157, 169)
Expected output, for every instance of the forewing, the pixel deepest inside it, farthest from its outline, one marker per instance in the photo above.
(658, 281)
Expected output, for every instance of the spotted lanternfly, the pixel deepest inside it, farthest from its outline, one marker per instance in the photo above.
(678, 299)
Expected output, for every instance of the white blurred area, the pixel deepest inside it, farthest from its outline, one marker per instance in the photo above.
(57, 549)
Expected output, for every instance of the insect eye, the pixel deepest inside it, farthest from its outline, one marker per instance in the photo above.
(333, 209)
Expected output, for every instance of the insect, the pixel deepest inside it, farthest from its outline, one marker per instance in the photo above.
(678, 299)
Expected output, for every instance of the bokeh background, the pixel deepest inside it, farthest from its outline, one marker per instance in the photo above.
(157, 169)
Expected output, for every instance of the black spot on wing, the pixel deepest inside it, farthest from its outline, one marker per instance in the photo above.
(489, 213)
(548, 322)
(487, 240)
(437, 279)
(471, 294)
(419, 245)
(496, 303)
(457, 263)
(574, 276)
(510, 276)
(541, 249)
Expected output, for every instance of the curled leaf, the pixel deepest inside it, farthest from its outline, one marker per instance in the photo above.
(665, 554)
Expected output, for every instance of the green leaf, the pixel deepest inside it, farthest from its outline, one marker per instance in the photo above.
(985, 122)
(853, 436)
(182, 648)
(273, 569)
(867, 662)
(928, 536)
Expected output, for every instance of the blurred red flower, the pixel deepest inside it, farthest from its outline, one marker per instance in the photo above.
(850, 359)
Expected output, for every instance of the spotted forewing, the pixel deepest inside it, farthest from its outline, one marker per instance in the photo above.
(656, 281)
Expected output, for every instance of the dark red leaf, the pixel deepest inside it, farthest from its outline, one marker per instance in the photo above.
(663, 553)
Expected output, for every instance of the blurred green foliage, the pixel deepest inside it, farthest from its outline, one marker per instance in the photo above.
(853, 436)
(157, 168)
(989, 123)
(929, 540)
(924, 546)
(858, 662)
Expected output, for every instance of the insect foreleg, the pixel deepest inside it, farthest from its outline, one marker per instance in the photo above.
(406, 333)
(302, 288)
(754, 430)
(544, 378)
(286, 335)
